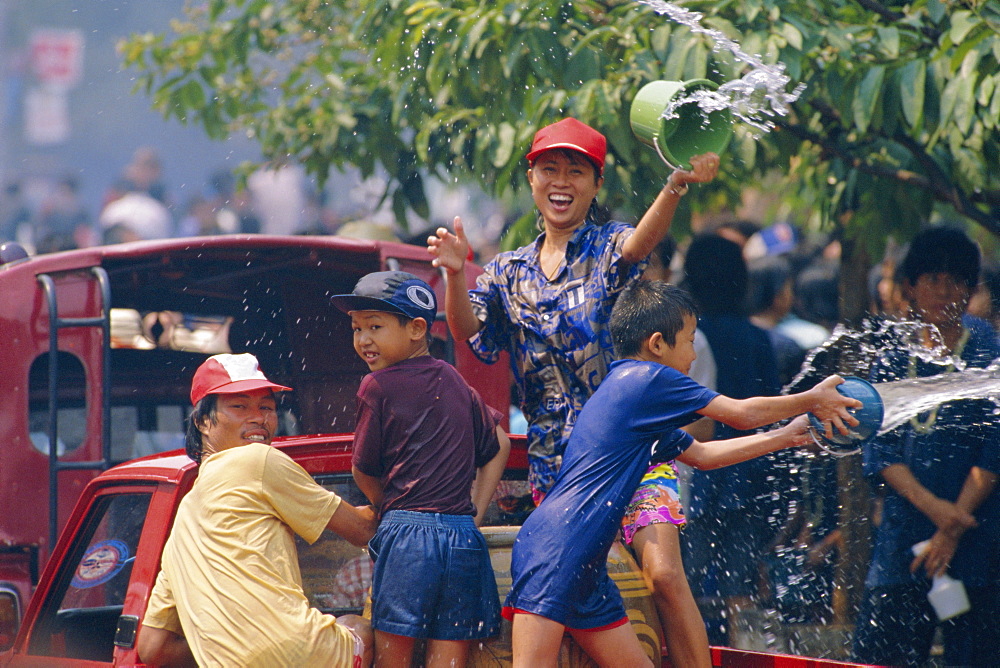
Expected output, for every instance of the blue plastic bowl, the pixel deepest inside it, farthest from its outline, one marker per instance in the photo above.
(869, 415)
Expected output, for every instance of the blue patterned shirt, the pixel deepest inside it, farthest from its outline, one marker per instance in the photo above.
(554, 330)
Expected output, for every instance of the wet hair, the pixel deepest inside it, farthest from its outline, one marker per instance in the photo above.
(716, 274)
(942, 249)
(767, 277)
(206, 409)
(645, 308)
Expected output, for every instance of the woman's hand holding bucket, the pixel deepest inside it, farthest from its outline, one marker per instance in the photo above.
(704, 168)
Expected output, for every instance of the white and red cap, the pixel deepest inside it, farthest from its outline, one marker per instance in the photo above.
(571, 134)
(230, 374)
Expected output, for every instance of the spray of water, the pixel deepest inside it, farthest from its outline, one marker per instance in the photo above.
(754, 99)
(907, 398)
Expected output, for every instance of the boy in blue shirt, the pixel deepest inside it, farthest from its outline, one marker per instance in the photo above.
(559, 573)
(428, 454)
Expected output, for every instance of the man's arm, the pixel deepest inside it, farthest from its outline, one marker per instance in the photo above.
(356, 525)
(163, 648)
(488, 476)
(978, 485)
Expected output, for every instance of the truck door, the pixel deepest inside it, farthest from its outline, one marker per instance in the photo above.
(78, 614)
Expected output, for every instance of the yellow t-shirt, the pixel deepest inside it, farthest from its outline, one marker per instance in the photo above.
(230, 581)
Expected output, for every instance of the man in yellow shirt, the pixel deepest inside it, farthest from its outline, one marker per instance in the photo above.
(229, 592)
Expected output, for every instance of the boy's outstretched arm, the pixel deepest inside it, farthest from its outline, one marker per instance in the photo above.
(450, 251)
(716, 454)
(488, 476)
(823, 401)
(655, 223)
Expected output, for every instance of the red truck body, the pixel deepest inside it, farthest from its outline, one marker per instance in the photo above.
(100, 347)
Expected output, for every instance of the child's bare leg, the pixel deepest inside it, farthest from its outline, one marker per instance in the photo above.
(392, 651)
(659, 550)
(535, 641)
(613, 648)
(447, 653)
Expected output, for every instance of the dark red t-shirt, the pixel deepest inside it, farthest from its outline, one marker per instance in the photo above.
(423, 432)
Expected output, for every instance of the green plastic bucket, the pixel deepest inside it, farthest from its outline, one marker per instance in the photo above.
(691, 133)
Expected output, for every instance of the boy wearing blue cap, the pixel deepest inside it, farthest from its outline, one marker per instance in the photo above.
(428, 454)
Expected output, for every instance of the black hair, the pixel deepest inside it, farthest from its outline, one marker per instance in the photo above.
(716, 274)
(767, 277)
(745, 228)
(665, 251)
(206, 409)
(645, 308)
(991, 279)
(817, 293)
(942, 249)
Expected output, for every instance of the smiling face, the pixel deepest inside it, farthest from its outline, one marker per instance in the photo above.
(563, 184)
(381, 340)
(240, 418)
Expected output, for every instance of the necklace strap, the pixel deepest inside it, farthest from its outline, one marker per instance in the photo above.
(924, 426)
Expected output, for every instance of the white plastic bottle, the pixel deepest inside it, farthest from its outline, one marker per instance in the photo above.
(947, 595)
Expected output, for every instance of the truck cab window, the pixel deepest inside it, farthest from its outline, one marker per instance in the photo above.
(71, 389)
(80, 619)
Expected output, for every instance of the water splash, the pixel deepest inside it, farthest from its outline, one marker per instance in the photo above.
(754, 99)
(907, 398)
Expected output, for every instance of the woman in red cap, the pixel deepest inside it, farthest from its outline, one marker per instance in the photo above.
(547, 304)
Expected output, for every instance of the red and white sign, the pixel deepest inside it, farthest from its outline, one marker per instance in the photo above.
(57, 56)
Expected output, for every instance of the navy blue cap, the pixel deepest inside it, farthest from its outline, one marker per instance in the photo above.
(392, 291)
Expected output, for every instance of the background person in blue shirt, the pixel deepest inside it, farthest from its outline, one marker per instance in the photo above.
(559, 573)
(938, 470)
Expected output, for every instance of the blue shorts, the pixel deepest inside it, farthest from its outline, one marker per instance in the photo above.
(433, 578)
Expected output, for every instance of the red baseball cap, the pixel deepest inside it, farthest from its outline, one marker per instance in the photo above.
(229, 374)
(574, 135)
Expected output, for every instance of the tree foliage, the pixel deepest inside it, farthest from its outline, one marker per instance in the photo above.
(899, 113)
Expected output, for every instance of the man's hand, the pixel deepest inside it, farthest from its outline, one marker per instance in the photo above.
(356, 525)
(937, 555)
(449, 250)
(163, 648)
(949, 518)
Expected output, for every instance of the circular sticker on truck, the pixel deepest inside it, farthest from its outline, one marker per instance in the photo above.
(100, 563)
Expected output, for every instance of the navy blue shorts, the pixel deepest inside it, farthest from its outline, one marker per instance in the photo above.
(433, 578)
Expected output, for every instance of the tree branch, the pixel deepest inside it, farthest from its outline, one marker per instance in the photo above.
(891, 16)
(941, 187)
(881, 10)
